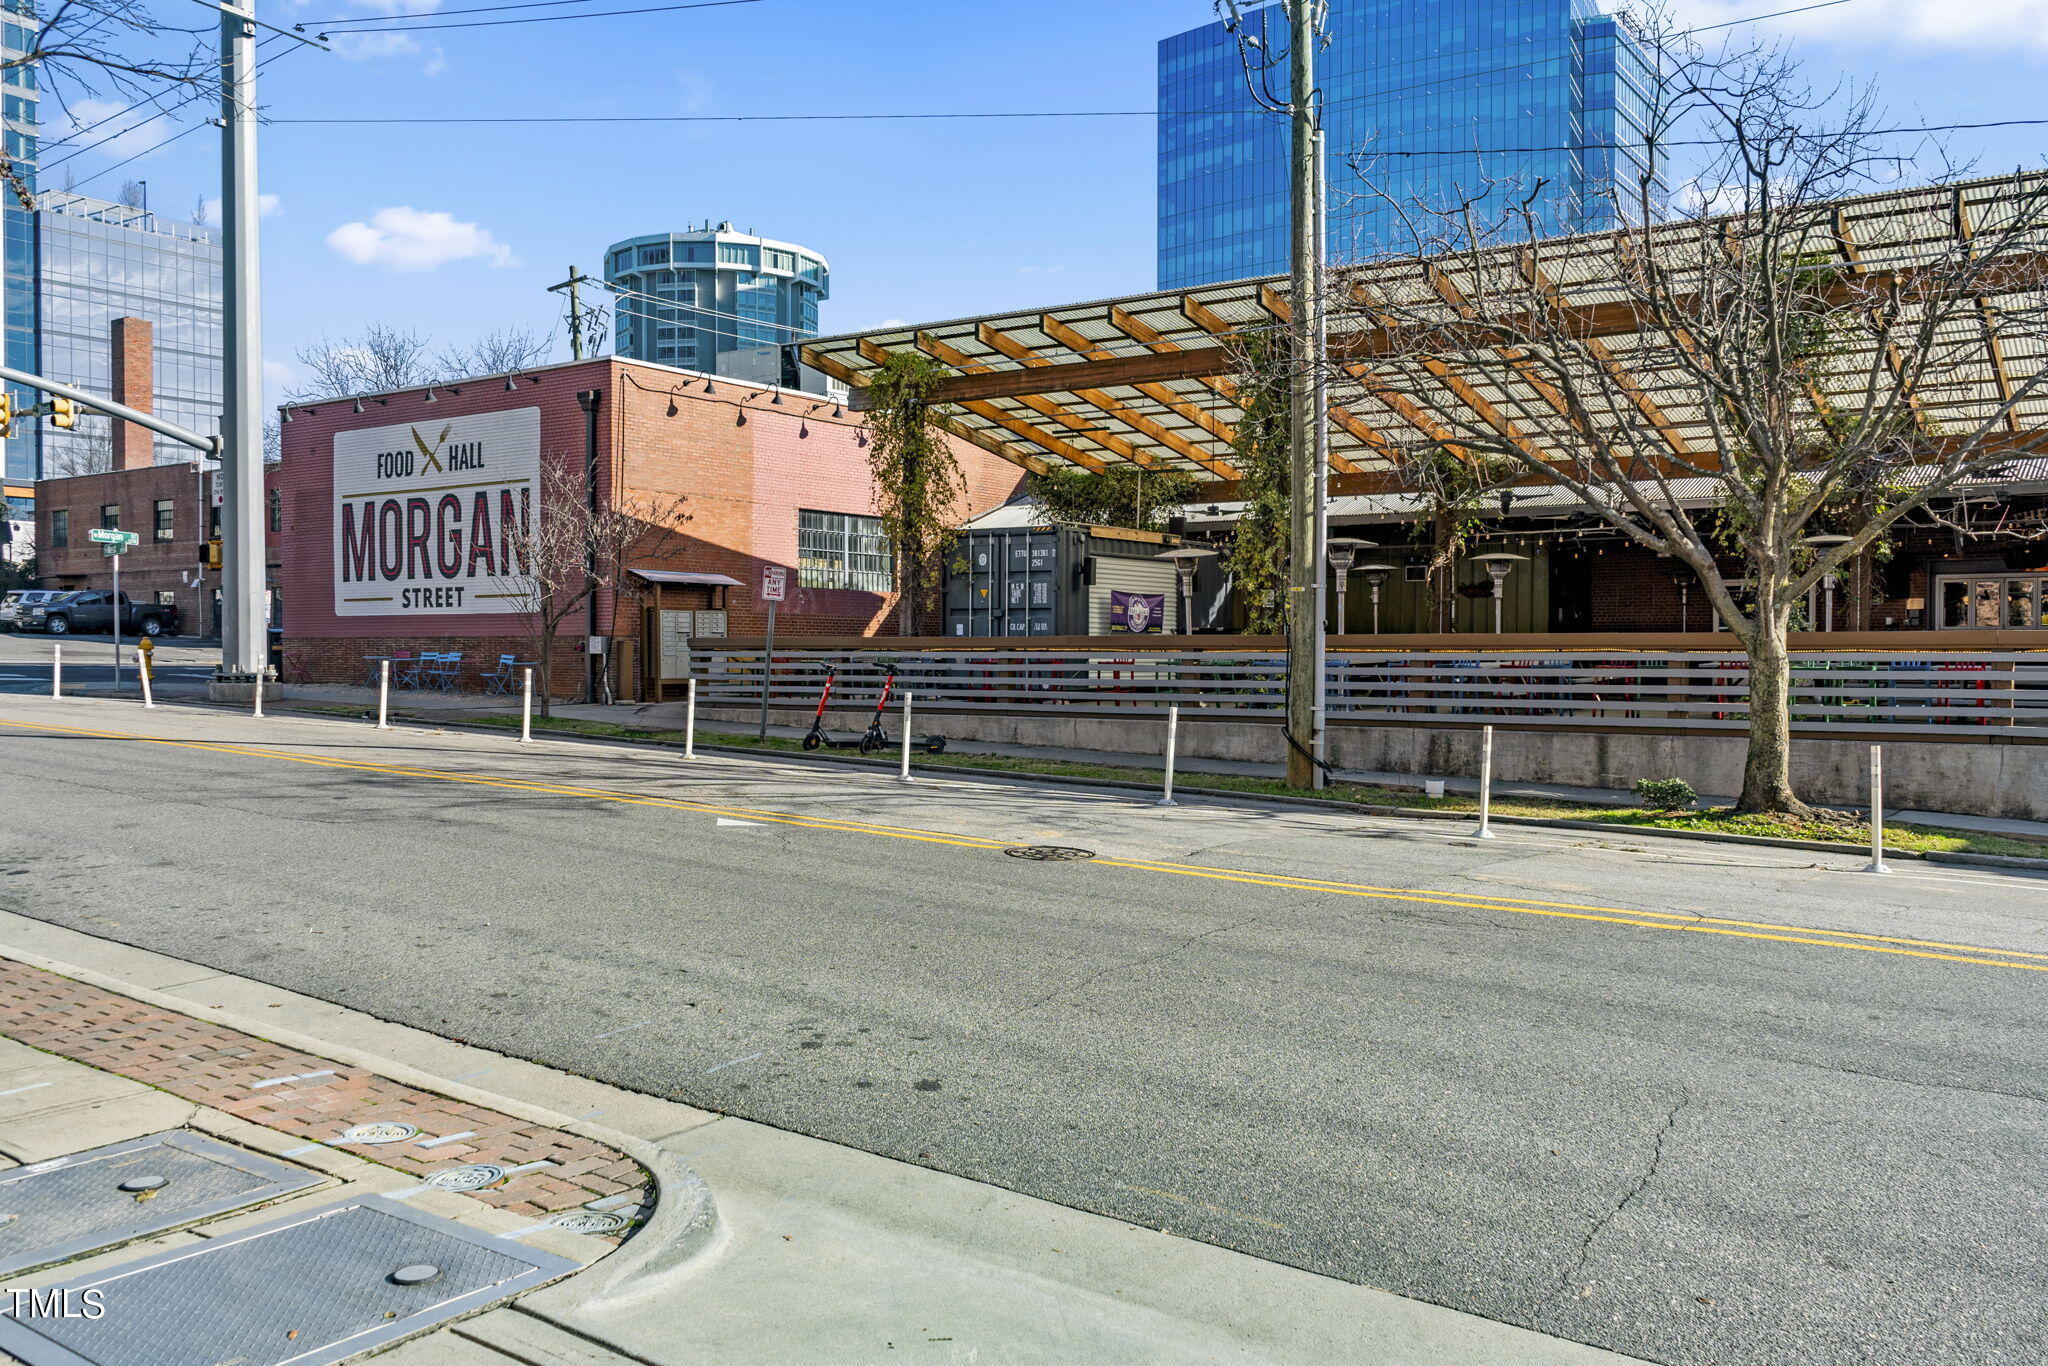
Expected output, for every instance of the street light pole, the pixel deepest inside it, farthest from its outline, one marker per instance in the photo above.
(244, 600)
(1306, 438)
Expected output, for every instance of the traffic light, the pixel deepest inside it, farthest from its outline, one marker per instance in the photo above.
(63, 412)
(213, 553)
(6, 415)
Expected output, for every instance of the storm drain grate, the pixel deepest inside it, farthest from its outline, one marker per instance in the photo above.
(307, 1289)
(103, 1197)
(1048, 853)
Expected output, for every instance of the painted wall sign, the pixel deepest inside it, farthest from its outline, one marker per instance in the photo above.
(431, 517)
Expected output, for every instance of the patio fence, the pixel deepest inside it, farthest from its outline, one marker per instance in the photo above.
(1937, 695)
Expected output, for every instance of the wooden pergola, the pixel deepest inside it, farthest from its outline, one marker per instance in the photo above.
(1145, 380)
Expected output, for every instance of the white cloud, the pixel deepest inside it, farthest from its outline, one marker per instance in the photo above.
(1985, 25)
(266, 205)
(1041, 270)
(405, 238)
(113, 136)
(367, 47)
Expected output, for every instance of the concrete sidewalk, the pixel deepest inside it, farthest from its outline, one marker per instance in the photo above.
(816, 1253)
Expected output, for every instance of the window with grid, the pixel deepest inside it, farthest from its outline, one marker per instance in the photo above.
(60, 528)
(110, 516)
(840, 550)
(166, 510)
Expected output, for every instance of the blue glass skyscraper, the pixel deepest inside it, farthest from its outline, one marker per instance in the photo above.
(1427, 102)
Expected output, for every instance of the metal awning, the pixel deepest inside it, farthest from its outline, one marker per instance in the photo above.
(1146, 380)
(679, 576)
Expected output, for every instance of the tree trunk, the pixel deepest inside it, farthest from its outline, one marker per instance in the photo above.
(1767, 771)
(544, 675)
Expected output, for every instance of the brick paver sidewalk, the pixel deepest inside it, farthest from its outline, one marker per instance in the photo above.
(308, 1096)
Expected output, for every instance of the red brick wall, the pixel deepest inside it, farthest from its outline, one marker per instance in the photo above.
(152, 565)
(134, 386)
(661, 435)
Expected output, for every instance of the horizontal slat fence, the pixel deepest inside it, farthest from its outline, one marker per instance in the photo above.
(1944, 695)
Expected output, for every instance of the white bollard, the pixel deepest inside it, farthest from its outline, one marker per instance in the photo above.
(383, 694)
(142, 672)
(56, 669)
(1877, 811)
(690, 722)
(257, 696)
(1485, 784)
(1172, 744)
(905, 775)
(526, 708)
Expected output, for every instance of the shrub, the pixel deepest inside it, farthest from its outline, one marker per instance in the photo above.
(1666, 794)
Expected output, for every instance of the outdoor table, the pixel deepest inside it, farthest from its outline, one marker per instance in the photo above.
(375, 673)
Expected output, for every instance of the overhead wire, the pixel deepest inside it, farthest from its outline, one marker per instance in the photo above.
(547, 18)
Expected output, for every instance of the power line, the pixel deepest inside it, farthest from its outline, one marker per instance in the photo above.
(438, 13)
(549, 18)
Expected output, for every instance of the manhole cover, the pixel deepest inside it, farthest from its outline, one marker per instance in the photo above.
(381, 1133)
(58, 1209)
(590, 1221)
(1048, 853)
(474, 1177)
(309, 1289)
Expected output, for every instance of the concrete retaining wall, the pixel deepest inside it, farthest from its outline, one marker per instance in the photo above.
(1967, 779)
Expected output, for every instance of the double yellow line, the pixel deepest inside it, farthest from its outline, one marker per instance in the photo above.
(1561, 910)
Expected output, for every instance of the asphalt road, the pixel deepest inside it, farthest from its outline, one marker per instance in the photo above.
(1696, 1104)
(25, 662)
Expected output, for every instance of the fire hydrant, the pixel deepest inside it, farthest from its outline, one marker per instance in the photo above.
(147, 647)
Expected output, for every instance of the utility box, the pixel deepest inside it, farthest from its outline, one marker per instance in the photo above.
(1054, 580)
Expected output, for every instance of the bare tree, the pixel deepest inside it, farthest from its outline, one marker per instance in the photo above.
(1770, 363)
(377, 359)
(568, 547)
(117, 49)
(504, 351)
(87, 449)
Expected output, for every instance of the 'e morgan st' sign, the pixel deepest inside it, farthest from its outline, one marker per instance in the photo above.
(433, 517)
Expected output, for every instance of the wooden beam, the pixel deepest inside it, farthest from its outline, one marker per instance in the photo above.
(1122, 412)
(1037, 436)
(1460, 388)
(1607, 319)
(995, 445)
(1166, 398)
(1893, 360)
(960, 360)
(1987, 317)
(1212, 322)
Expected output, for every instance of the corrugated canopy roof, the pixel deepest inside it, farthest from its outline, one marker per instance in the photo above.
(1146, 380)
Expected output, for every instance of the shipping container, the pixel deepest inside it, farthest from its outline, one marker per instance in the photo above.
(1053, 580)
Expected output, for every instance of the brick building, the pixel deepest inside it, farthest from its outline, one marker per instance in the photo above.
(171, 507)
(395, 507)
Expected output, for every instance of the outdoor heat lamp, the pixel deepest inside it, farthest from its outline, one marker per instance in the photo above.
(1185, 560)
(1498, 565)
(1376, 579)
(1343, 553)
(1821, 544)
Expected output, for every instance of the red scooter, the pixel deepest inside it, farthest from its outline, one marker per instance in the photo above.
(876, 738)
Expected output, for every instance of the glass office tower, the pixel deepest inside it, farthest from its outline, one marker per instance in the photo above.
(98, 261)
(17, 226)
(1427, 102)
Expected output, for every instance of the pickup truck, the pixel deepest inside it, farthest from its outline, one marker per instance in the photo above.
(93, 610)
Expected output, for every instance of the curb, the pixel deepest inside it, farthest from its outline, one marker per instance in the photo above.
(684, 1226)
(2009, 861)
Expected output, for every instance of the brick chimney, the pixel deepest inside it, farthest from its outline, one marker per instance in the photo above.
(134, 385)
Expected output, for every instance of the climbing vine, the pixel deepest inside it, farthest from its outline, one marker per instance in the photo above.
(918, 486)
(1257, 557)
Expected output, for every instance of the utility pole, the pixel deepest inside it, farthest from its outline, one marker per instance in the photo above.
(245, 638)
(573, 285)
(1307, 441)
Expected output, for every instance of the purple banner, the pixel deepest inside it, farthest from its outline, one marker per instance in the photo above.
(1138, 612)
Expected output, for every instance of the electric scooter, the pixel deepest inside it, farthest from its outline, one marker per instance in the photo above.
(877, 738)
(817, 738)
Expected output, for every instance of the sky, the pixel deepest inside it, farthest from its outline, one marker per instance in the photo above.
(456, 229)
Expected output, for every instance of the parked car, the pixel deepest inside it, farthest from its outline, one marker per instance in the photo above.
(14, 607)
(93, 610)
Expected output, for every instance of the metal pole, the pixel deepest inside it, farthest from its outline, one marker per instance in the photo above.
(1497, 586)
(243, 635)
(767, 670)
(1485, 784)
(383, 694)
(56, 668)
(906, 738)
(1375, 609)
(690, 721)
(1304, 616)
(142, 672)
(526, 708)
(1172, 744)
(117, 623)
(1877, 811)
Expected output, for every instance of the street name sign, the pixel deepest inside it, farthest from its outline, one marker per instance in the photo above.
(121, 540)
